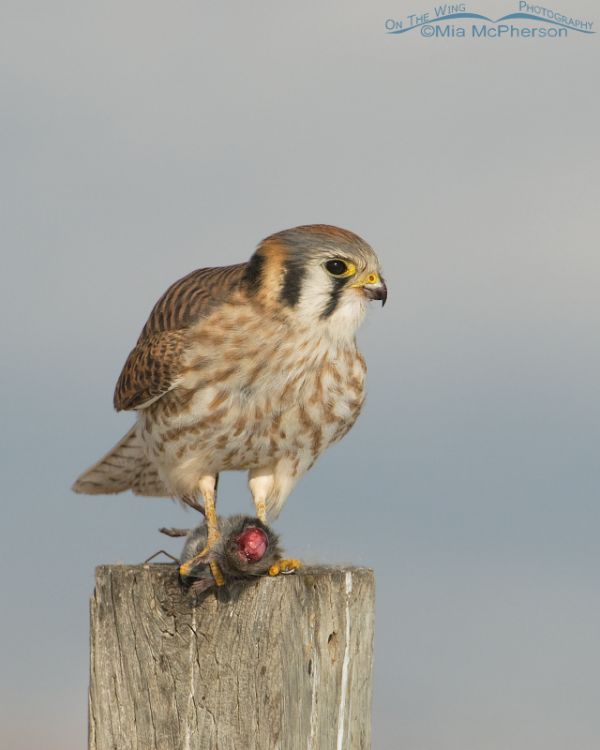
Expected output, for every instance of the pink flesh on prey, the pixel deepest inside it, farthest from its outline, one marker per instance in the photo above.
(252, 544)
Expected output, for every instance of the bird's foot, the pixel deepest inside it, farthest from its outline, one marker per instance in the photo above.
(201, 558)
(186, 568)
(284, 567)
(217, 574)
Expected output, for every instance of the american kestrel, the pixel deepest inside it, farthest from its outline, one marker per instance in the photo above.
(252, 366)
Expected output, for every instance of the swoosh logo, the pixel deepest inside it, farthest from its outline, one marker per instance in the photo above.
(510, 17)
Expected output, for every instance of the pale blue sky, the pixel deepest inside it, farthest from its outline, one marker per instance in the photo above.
(143, 140)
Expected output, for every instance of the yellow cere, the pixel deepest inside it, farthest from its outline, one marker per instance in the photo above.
(372, 278)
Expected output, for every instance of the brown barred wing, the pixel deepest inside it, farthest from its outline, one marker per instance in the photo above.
(150, 371)
(153, 366)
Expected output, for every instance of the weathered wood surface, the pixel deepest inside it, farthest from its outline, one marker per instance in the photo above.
(285, 663)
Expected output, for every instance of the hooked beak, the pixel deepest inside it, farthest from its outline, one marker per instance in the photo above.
(374, 287)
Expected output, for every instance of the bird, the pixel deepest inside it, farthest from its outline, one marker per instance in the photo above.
(252, 366)
(246, 549)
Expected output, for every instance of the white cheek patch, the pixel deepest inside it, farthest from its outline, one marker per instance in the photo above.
(343, 322)
(315, 295)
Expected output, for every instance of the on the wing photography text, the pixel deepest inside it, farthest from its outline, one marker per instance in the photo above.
(457, 20)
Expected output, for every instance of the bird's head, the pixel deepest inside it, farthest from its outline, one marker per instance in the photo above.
(321, 274)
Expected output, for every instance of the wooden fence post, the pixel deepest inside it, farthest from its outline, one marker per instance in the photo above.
(285, 663)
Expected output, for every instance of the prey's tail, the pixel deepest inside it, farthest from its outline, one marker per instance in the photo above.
(125, 467)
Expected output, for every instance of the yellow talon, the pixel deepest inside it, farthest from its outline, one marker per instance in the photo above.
(184, 569)
(284, 567)
(217, 575)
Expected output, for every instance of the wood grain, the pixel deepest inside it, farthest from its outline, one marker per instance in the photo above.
(283, 663)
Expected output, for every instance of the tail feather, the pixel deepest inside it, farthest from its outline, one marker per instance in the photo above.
(125, 467)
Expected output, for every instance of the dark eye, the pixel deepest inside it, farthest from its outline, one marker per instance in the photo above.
(338, 267)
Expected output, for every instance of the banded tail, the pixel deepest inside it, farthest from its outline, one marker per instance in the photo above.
(125, 467)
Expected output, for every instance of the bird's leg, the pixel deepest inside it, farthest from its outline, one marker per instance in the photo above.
(262, 482)
(207, 486)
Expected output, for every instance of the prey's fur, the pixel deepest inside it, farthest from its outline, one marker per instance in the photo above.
(225, 552)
